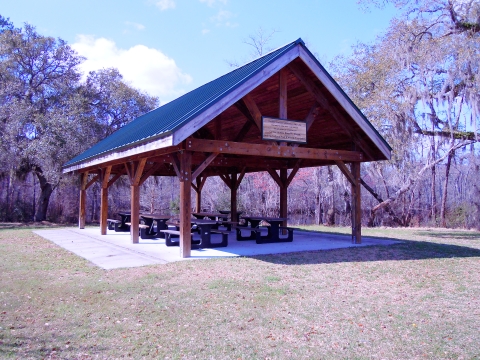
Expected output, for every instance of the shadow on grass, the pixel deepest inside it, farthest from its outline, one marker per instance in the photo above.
(457, 235)
(405, 250)
(30, 347)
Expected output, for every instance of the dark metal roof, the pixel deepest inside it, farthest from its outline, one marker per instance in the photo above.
(180, 111)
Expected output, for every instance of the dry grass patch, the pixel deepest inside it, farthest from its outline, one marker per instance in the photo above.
(417, 299)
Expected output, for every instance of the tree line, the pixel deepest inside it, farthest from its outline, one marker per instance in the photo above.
(418, 84)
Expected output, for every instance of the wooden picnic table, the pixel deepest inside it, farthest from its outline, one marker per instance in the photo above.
(205, 228)
(273, 231)
(210, 216)
(227, 212)
(150, 220)
(125, 217)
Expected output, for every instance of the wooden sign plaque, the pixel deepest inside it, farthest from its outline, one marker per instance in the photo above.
(284, 130)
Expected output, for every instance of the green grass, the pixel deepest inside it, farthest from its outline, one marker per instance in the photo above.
(417, 299)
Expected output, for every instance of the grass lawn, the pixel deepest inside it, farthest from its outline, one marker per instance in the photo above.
(417, 299)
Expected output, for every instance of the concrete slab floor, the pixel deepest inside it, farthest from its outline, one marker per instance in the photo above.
(115, 250)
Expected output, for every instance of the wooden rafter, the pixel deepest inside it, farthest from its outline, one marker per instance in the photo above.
(293, 172)
(105, 176)
(240, 177)
(149, 172)
(92, 181)
(226, 179)
(203, 165)
(227, 147)
(323, 101)
(344, 169)
(114, 178)
(135, 171)
(253, 110)
(276, 177)
(311, 115)
(176, 164)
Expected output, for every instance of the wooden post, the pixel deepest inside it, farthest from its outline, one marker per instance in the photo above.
(356, 205)
(282, 111)
(283, 195)
(103, 210)
(104, 178)
(233, 197)
(134, 212)
(185, 203)
(198, 201)
(134, 171)
(83, 196)
(198, 198)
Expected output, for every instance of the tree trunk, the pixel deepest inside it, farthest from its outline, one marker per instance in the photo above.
(317, 191)
(331, 210)
(476, 197)
(46, 190)
(445, 189)
(433, 198)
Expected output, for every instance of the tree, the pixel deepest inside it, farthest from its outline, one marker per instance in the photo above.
(47, 115)
(419, 84)
(113, 102)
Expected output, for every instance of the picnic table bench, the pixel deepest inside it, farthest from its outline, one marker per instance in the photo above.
(205, 228)
(274, 231)
(175, 234)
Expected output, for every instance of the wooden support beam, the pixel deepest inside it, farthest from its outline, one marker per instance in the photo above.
(105, 176)
(218, 127)
(226, 179)
(243, 131)
(200, 181)
(185, 203)
(83, 201)
(198, 195)
(344, 169)
(282, 81)
(276, 177)
(283, 195)
(176, 164)
(92, 181)
(113, 179)
(227, 147)
(135, 172)
(293, 172)
(240, 178)
(253, 110)
(242, 107)
(233, 196)
(149, 172)
(203, 165)
(324, 103)
(134, 212)
(104, 179)
(139, 171)
(356, 205)
(312, 114)
(103, 210)
(282, 96)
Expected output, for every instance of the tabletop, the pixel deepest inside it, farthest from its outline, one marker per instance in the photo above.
(156, 216)
(207, 214)
(264, 218)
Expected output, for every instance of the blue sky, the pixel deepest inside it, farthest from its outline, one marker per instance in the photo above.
(169, 47)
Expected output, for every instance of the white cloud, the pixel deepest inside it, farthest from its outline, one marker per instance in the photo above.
(222, 17)
(144, 68)
(213, 2)
(165, 4)
(205, 31)
(135, 25)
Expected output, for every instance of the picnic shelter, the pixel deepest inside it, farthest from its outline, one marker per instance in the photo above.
(278, 113)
